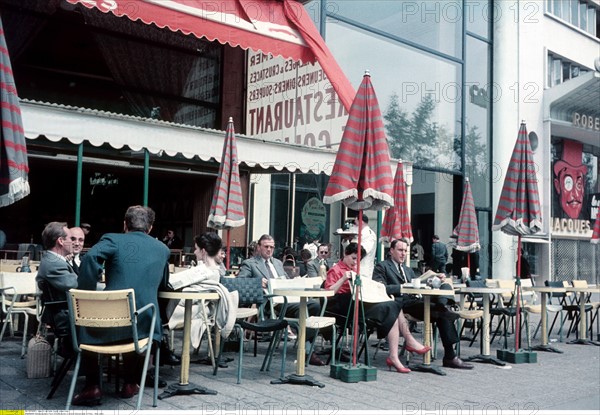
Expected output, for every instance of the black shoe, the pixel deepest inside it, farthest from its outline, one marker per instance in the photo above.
(167, 357)
(385, 346)
(150, 381)
(457, 363)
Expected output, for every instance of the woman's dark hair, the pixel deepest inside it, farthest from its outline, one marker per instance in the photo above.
(210, 242)
(352, 248)
(305, 254)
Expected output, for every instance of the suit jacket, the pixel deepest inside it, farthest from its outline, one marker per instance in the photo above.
(386, 273)
(131, 260)
(59, 275)
(255, 267)
(312, 268)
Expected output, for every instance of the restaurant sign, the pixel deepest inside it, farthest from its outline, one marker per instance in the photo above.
(292, 102)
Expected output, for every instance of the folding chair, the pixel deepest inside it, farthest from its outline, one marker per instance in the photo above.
(111, 310)
(18, 293)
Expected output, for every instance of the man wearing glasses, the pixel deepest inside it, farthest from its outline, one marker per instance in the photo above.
(265, 267)
(313, 267)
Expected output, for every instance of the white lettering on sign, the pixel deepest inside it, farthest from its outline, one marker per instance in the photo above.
(568, 227)
(588, 122)
(292, 102)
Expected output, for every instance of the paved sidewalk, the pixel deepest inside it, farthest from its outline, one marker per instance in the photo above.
(568, 381)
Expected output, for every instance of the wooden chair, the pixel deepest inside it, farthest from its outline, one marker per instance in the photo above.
(111, 310)
(18, 292)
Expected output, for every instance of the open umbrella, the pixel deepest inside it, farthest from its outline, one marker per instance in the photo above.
(596, 232)
(397, 220)
(519, 210)
(227, 208)
(13, 151)
(361, 176)
(466, 232)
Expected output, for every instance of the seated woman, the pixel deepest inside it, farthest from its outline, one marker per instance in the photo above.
(387, 316)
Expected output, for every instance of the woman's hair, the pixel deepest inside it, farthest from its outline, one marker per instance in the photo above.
(210, 242)
(305, 254)
(352, 248)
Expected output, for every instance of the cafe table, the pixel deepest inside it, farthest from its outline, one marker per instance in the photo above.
(486, 292)
(582, 339)
(545, 347)
(300, 378)
(427, 293)
(184, 387)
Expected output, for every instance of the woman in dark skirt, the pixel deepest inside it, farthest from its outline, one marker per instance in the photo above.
(387, 316)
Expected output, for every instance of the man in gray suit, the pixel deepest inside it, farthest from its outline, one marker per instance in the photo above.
(59, 277)
(312, 269)
(135, 260)
(265, 267)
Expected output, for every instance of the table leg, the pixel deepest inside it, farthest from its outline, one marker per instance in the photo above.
(582, 324)
(486, 357)
(545, 347)
(184, 387)
(426, 366)
(299, 378)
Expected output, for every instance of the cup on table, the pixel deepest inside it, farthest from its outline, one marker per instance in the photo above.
(416, 283)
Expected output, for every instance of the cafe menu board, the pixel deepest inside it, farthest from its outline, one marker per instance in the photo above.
(292, 102)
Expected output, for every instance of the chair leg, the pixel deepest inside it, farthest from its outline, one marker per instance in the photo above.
(240, 354)
(60, 375)
(24, 343)
(73, 381)
(156, 365)
(144, 373)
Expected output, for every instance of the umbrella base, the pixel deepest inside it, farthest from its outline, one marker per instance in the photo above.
(546, 348)
(352, 374)
(584, 342)
(428, 368)
(189, 389)
(482, 358)
(517, 356)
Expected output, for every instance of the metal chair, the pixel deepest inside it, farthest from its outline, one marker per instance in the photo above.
(111, 310)
(251, 294)
(18, 293)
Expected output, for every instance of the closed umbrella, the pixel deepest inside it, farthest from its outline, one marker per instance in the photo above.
(361, 176)
(227, 208)
(596, 232)
(397, 219)
(14, 184)
(467, 232)
(519, 210)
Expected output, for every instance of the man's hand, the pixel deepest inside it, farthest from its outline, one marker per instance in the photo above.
(265, 283)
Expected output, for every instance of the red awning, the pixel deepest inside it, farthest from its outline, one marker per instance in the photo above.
(276, 27)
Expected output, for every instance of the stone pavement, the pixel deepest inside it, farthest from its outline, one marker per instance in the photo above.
(559, 382)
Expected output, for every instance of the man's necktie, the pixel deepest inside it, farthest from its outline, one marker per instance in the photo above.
(75, 266)
(401, 269)
(270, 272)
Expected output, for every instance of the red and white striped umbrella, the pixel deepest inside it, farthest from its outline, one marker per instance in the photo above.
(519, 211)
(361, 176)
(227, 208)
(14, 169)
(596, 232)
(396, 224)
(467, 232)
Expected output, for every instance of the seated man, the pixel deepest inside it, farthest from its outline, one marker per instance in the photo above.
(264, 266)
(392, 272)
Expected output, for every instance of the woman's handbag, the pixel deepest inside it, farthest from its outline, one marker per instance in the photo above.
(292, 271)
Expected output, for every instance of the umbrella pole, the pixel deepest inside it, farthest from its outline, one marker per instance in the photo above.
(228, 248)
(357, 291)
(518, 293)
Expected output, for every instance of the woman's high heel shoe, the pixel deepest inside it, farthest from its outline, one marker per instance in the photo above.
(400, 368)
(424, 350)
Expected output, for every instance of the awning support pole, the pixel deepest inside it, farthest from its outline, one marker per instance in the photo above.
(146, 174)
(78, 184)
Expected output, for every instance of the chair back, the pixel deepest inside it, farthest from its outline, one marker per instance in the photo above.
(508, 296)
(18, 283)
(250, 290)
(283, 283)
(102, 309)
(579, 283)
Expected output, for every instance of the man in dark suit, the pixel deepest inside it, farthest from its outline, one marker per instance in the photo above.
(77, 240)
(265, 267)
(393, 273)
(59, 277)
(312, 268)
(135, 260)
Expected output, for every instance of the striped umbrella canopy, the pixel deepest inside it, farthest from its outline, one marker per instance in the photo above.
(596, 232)
(227, 208)
(361, 176)
(14, 184)
(397, 219)
(519, 211)
(467, 232)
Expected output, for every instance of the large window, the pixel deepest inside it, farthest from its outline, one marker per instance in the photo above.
(584, 15)
(561, 70)
(419, 94)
